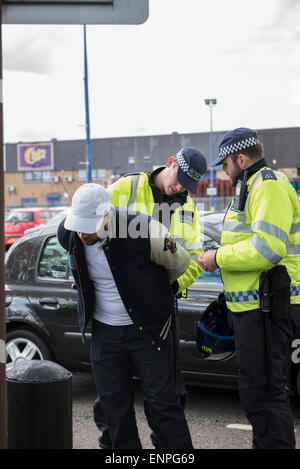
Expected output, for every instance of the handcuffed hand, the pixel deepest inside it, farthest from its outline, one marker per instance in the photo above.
(207, 261)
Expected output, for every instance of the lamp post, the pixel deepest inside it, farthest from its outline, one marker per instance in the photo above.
(212, 190)
(87, 113)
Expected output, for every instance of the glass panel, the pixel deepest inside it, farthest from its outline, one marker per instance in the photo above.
(37, 176)
(209, 279)
(45, 215)
(29, 201)
(97, 174)
(14, 217)
(54, 260)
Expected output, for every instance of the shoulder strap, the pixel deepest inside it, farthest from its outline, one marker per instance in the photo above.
(134, 182)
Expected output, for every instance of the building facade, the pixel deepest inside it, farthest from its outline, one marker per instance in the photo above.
(48, 173)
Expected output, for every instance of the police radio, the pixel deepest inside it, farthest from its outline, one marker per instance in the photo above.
(240, 195)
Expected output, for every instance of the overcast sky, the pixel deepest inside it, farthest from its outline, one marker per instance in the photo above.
(153, 78)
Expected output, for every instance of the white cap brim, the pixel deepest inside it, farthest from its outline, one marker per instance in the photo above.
(82, 225)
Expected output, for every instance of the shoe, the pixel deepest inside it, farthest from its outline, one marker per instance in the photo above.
(104, 442)
(153, 440)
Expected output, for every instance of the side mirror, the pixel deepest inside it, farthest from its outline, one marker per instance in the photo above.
(59, 271)
(8, 296)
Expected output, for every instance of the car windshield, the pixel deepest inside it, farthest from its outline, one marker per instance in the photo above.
(14, 217)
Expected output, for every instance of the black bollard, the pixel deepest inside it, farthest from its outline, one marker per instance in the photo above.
(39, 399)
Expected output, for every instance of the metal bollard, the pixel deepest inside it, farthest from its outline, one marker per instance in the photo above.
(39, 400)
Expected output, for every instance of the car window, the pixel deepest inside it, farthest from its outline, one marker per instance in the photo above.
(209, 279)
(19, 217)
(54, 261)
(45, 214)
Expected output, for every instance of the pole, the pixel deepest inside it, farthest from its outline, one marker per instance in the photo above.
(211, 153)
(87, 113)
(3, 392)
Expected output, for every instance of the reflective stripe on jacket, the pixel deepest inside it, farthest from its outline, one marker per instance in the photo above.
(265, 234)
(182, 220)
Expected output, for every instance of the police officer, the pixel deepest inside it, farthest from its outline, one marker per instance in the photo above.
(163, 194)
(119, 260)
(261, 230)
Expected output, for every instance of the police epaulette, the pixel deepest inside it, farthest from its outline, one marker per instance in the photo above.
(267, 174)
(132, 174)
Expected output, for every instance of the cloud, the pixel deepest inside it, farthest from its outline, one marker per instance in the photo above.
(285, 24)
(31, 51)
(275, 31)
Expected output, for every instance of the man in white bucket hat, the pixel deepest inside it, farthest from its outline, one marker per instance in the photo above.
(124, 264)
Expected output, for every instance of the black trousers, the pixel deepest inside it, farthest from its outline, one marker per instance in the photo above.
(270, 416)
(114, 349)
(99, 418)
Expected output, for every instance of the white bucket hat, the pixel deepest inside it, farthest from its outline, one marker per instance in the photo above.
(90, 204)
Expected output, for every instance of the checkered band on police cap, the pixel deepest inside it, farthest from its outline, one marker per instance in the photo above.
(237, 140)
(181, 161)
(191, 167)
(241, 145)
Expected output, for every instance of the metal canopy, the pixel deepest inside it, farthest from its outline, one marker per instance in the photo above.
(74, 11)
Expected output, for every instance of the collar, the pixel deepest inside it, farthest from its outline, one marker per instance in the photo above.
(159, 196)
(250, 171)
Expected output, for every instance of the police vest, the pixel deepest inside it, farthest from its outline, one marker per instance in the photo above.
(179, 215)
(265, 233)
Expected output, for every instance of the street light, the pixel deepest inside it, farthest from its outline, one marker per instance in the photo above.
(87, 112)
(211, 190)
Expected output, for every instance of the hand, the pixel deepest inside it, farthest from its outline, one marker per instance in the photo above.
(207, 261)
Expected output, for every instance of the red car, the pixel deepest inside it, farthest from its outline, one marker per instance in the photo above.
(21, 219)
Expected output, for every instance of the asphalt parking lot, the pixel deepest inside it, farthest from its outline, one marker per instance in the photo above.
(214, 416)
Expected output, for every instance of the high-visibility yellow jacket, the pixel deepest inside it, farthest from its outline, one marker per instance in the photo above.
(179, 214)
(264, 234)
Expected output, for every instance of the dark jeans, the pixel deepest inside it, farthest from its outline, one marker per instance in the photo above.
(104, 439)
(270, 416)
(114, 350)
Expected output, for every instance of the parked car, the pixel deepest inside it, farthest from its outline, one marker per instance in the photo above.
(21, 219)
(41, 310)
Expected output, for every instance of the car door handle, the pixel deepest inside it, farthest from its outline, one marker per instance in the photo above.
(50, 302)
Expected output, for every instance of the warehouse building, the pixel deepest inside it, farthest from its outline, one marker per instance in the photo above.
(48, 173)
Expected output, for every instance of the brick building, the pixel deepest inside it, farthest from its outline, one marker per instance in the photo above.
(48, 173)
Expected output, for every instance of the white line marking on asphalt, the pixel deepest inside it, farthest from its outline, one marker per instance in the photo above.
(239, 426)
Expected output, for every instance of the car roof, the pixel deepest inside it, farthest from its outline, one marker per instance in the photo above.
(211, 224)
(29, 209)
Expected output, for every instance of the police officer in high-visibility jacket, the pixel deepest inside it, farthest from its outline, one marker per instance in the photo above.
(261, 230)
(163, 194)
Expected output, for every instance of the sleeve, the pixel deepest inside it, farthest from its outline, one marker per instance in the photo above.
(188, 235)
(63, 235)
(166, 252)
(271, 218)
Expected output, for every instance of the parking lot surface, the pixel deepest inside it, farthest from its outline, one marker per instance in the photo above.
(215, 417)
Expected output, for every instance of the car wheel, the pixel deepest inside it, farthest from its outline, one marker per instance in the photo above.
(22, 344)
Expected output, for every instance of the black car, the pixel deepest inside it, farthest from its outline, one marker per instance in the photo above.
(41, 310)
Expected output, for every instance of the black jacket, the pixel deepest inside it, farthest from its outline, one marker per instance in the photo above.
(143, 285)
